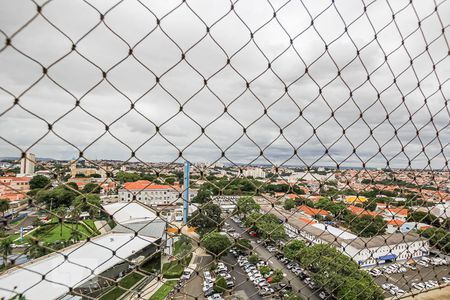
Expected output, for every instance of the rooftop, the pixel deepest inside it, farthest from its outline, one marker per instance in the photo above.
(84, 261)
(145, 185)
(129, 212)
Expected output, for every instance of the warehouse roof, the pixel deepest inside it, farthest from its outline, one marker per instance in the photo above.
(51, 276)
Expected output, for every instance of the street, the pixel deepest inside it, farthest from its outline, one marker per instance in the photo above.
(297, 285)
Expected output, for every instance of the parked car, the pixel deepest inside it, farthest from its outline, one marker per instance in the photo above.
(187, 274)
(215, 297)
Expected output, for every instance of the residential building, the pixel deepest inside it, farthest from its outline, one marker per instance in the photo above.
(254, 173)
(27, 164)
(366, 251)
(151, 194)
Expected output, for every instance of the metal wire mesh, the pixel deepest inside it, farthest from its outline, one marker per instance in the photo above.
(317, 134)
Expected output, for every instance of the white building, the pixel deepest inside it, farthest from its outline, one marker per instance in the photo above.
(27, 164)
(366, 252)
(149, 194)
(254, 173)
(226, 203)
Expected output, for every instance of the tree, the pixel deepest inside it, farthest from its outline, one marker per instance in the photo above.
(6, 249)
(367, 225)
(336, 272)
(424, 217)
(203, 196)
(92, 188)
(244, 244)
(206, 218)
(95, 175)
(70, 186)
(216, 243)
(220, 285)
(57, 197)
(88, 202)
(289, 204)
(292, 248)
(277, 276)
(4, 206)
(39, 182)
(370, 205)
(253, 259)
(75, 235)
(246, 205)
(127, 177)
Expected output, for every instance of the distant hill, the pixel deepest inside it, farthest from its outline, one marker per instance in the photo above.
(3, 158)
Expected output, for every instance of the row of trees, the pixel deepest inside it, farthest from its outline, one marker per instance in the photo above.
(242, 187)
(334, 271)
(438, 237)
(130, 177)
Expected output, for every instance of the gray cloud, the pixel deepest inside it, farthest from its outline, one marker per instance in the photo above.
(308, 103)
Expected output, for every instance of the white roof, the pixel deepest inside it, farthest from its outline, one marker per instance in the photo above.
(336, 231)
(60, 274)
(129, 212)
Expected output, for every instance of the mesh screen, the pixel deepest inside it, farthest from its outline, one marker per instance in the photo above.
(224, 149)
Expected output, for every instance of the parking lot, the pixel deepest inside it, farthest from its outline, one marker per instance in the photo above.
(406, 280)
(298, 285)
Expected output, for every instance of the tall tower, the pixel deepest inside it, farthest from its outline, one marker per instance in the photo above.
(27, 164)
(186, 192)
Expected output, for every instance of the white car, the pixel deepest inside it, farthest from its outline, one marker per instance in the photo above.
(446, 279)
(207, 276)
(215, 297)
(419, 286)
(422, 263)
(207, 286)
(187, 274)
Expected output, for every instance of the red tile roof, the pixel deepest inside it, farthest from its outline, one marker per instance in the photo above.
(144, 185)
(312, 211)
(307, 221)
(397, 211)
(396, 222)
(361, 211)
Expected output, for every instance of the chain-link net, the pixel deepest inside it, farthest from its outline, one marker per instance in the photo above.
(224, 149)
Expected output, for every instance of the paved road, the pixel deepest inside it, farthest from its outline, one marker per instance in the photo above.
(295, 282)
(242, 281)
(193, 287)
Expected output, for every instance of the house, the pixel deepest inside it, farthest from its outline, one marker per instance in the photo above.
(392, 213)
(354, 199)
(358, 211)
(309, 211)
(394, 225)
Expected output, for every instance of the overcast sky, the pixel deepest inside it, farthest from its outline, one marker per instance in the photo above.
(326, 37)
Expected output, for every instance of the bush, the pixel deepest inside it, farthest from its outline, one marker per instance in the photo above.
(253, 259)
(220, 285)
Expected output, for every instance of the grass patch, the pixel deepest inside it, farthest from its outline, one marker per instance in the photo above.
(61, 233)
(124, 285)
(91, 225)
(164, 290)
(172, 269)
(182, 247)
(113, 294)
(130, 280)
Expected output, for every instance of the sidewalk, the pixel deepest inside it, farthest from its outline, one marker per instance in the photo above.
(102, 226)
(147, 291)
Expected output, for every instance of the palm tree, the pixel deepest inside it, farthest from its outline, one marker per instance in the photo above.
(75, 235)
(6, 249)
(4, 206)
